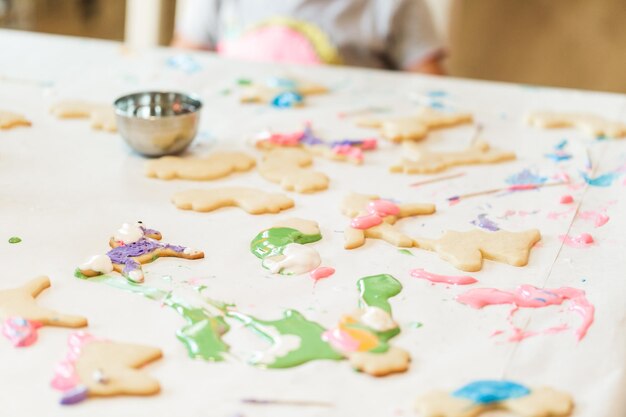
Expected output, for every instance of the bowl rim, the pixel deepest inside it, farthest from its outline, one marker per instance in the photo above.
(194, 97)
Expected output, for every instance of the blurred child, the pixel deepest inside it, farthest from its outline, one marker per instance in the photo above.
(392, 34)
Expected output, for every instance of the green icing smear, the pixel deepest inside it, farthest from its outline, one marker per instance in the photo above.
(311, 348)
(14, 240)
(406, 252)
(202, 336)
(376, 290)
(272, 242)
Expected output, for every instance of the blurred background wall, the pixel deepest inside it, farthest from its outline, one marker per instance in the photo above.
(565, 43)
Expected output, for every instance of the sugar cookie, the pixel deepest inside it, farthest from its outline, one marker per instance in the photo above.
(372, 219)
(480, 397)
(22, 316)
(590, 124)
(101, 368)
(282, 247)
(343, 150)
(134, 245)
(9, 120)
(249, 199)
(466, 250)
(216, 165)
(289, 167)
(102, 116)
(419, 160)
(415, 127)
(281, 92)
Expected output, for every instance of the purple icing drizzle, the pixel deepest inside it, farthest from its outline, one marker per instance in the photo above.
(75, 395)
(346, 142)
(484, 223)
(308, 138)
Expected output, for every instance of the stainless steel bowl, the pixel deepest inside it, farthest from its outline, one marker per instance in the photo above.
(158, 123)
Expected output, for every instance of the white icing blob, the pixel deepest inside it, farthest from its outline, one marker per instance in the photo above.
(283, 344)
(190, 251)
(136, 275)
(296, 259)
(98, 263)
(128, 233)
(377, 319)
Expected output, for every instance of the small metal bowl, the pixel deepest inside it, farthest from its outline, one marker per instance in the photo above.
(158, 123)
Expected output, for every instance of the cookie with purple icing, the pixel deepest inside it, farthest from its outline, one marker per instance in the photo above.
(132, 246)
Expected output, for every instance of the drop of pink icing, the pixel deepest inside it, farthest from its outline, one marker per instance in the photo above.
(528, 296)
(366, 222)
(321, 272)
(583, 240)
(566, 199)
(445, 279)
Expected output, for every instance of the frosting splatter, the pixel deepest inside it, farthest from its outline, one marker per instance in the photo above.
(583, 240)
(526, 176)
(443, 279)
(528, 296)
(484, 223)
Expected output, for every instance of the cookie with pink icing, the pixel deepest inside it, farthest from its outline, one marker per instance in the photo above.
(96, 367)
(342, 150)
(132, 246)
(22, 316)
(375, 218)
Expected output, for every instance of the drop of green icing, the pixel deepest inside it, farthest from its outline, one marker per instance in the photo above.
(311, 348)
(406, 252)
(376, 290)
(14, 240)
(271, 242)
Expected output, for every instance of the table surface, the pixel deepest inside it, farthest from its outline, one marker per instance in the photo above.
(65, 188)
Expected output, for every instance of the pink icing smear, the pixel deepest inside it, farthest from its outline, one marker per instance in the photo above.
(341, 340)
(566, 199)
(21, 332)
(598, 218)
(443, 279)
(65, 376)
(321, 272)
(528, 296)
(377, 209)
(366, 222)
(583, 240)
(383, 208)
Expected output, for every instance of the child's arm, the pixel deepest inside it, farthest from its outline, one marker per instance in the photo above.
(414, 44)
(196, 25)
